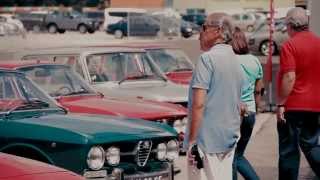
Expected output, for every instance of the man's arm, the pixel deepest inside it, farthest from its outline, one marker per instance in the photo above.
(259, 86)
(287, 83)
(198, 104)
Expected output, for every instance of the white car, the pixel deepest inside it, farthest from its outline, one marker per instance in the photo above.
(10, 25)
(117, 72)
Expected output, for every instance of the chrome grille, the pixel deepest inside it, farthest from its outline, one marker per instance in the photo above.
(143, 152)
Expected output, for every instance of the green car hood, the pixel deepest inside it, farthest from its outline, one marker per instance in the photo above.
(89, 129)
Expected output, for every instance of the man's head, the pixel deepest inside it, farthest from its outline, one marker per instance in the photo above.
(297, 20)
(216, 29)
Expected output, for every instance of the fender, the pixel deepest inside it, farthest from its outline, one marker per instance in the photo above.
(34, 148)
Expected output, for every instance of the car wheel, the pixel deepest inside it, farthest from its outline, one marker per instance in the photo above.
(36, 29)
(264, 48)
(52, 29)
(118, 34)
(61, 31)
(83, 29)
(250, 28)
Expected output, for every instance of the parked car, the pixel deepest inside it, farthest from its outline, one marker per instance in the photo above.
(128, 73)
(33, 21)
(73, 93)
(19, 168)
(97, 17)
(245, 21)
(198, 19)
(10, 25)
(114, 15)
(60, 21)
(259, 40)
(33, 126)
(137, 26)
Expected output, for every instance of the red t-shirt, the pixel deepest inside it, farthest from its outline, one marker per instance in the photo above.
(301, 54)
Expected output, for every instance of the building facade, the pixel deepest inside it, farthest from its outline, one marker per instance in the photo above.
(229, 5)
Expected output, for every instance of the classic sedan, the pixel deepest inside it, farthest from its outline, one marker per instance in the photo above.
(34, 126)
(73, 93)
(119, 72)
(19, 168)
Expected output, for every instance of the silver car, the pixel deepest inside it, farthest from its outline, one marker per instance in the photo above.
(259, 40)
(117, 72)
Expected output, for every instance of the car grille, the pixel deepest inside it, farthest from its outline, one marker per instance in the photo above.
(143, 152)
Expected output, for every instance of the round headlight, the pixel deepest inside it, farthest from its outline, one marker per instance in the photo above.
(161, 151)
(172, 150)
(96, 158)
(177, 125)
(113, 156)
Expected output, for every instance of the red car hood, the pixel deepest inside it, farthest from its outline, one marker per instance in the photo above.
(180, 77)
(14, 167)
(94, 104)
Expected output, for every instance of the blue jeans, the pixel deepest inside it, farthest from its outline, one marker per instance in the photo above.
(302, 129)
(240, 163)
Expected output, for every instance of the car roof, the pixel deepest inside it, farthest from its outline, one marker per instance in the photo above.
(79, 50)
(13, 65)
(137, 45)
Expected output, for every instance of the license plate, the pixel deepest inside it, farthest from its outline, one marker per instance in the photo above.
(164, 176)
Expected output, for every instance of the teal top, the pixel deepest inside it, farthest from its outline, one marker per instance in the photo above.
(253, 71)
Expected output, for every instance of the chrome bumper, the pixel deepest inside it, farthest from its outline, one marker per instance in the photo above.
(117, 174)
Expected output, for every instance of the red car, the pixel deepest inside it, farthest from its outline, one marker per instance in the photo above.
(73, 93)
(172, 61)
(19, 168)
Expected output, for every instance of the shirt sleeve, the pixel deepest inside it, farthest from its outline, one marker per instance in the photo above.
(260, 70)
(287, 61)
(202, 74)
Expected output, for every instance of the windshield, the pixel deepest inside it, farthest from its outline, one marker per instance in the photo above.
(16, 90)
(170, 60)
(57, 80)
(119, 66)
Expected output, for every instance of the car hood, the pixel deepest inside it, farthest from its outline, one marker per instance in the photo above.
(125, 108)
(150, 90)
(88, 129)
(14, 166)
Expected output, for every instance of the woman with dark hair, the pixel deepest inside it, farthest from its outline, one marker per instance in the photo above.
(251, 96)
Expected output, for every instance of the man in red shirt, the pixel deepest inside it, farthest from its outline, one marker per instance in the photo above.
(299, 97)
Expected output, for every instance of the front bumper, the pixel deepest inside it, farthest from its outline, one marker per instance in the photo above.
(166, 173)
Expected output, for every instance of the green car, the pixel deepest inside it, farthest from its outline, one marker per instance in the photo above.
(34, 126)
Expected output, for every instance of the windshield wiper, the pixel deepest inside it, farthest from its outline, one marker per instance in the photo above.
(32, 104)
(134, 77)
(76, 93)
(181, 69)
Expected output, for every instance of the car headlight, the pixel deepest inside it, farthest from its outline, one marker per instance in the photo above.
(161, 151)
(172, 150)
(96, 158)
(178, 126)
(113, 156)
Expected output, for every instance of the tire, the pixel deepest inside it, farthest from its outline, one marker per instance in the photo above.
(250, 28)
(36, 28)
(82, 29)
(118, 34)
(52, 29)
(264, 48)
(61, 31)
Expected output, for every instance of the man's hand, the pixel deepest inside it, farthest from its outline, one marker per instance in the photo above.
(191, 158)
(280, 115)
(243, 110)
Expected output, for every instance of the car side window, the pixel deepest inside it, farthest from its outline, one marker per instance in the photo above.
(7, 90)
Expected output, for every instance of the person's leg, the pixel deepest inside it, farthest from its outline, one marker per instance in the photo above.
(241, 164)
(216, 168)
(310, 139)
(289, 154)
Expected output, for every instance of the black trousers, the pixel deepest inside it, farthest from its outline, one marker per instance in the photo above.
(301, 129)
